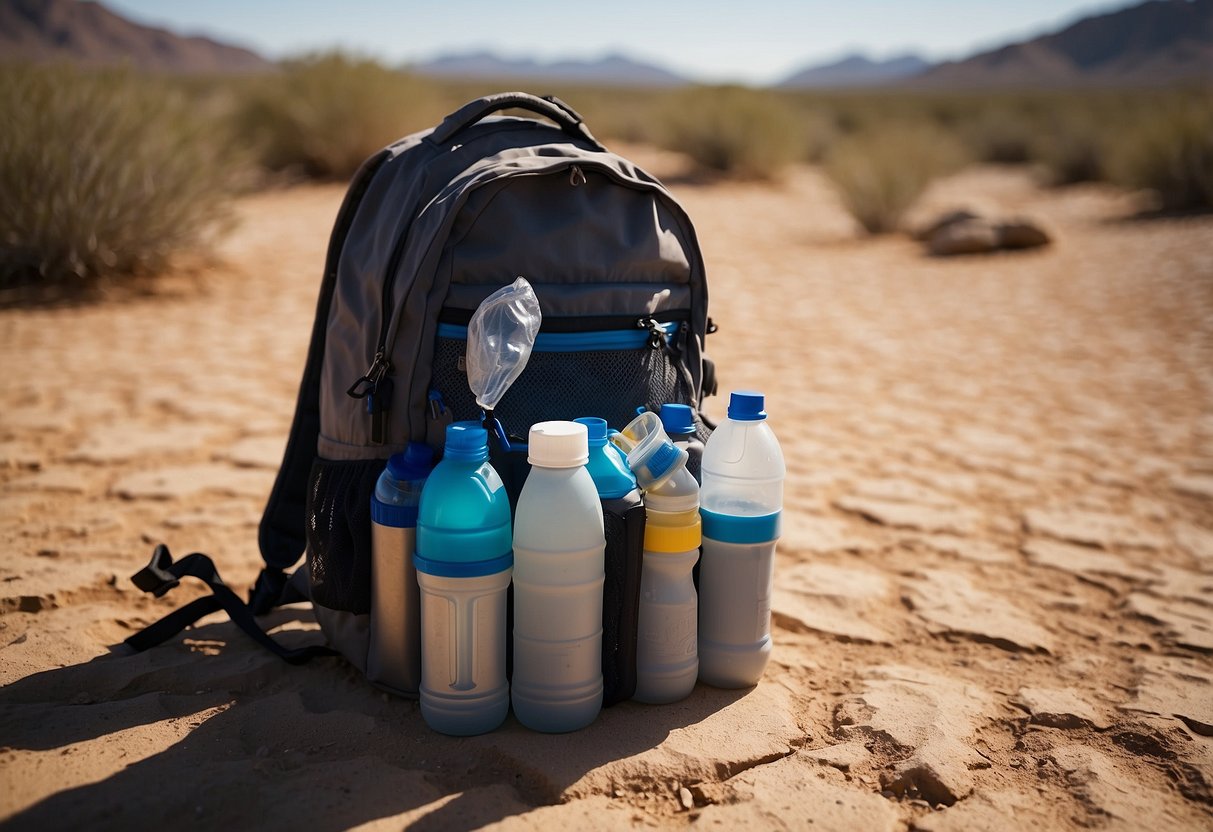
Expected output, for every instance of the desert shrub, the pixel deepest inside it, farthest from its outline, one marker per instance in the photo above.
(1072, 144)
(103, 175)
(746, 133)
(999, 132)
(1169, 151)
(881, 172)
(323, 115)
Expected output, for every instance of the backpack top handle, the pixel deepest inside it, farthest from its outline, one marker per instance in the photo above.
(548, 106)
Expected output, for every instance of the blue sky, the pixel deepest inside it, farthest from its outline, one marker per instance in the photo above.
(752, 41)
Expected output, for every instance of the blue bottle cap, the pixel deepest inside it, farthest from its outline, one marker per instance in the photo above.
(415, 463)
(663, 458)
(746, 406)
(677, 419)
(596, 430)
(466, 443)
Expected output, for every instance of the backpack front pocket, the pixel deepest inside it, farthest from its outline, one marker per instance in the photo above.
(606, 373)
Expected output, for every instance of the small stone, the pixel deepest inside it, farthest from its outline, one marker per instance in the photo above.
(1018, 233)
(966, 236)
(943, 221)
(617, 793)
(685, 798)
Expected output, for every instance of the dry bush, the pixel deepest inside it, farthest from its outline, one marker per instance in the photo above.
(323, 115)
(1169, 151)
(879, 173)
(103, 175)
(750, 134)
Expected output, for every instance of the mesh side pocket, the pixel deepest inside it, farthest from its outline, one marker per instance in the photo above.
(339, 533)
(609, 384)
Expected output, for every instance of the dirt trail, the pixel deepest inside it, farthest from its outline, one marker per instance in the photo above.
(994, 600)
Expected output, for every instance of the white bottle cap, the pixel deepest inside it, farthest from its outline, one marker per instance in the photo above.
(558, 445)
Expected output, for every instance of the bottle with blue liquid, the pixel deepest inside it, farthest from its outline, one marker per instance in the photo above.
(464, 562)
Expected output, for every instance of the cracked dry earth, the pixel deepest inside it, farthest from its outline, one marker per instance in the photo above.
(994, 602)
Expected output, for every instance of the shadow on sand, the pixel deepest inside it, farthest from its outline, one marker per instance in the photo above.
(248, 740)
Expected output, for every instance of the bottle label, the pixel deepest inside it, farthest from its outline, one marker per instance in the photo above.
(731, 528)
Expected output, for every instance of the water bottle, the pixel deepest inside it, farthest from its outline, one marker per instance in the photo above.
(667, 659)
(463, 569)
(558, 578)
(623, 521)
(679, 423)
(742, 496)
(394, 654)
(667, 655)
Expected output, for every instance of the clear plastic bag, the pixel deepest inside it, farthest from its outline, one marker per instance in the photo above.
(501, 335)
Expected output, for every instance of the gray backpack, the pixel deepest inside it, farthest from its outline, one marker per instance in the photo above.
(431, 226)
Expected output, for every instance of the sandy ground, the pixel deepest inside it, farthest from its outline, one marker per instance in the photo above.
(994, 602)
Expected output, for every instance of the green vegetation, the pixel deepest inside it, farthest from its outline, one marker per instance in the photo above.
(880, 172)
(322, 116)
(108, 173)
(103, 175)
(746, 133)
(1170, 153)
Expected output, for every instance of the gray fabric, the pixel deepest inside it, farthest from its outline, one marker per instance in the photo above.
(500, 203)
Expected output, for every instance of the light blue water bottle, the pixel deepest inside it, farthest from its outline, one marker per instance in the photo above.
(464, 561)
(394, 655)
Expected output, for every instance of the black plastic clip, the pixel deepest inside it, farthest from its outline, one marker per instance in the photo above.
(155, 577)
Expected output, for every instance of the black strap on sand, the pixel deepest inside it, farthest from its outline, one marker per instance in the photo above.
(163, 573)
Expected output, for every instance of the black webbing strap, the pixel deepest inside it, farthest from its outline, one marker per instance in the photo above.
(163, 573)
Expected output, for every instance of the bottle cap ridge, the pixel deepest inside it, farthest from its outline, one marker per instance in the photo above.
(596, 430)
(466, 443)
(677, 419)
(558, 444)
(746, 406)
(414, 463)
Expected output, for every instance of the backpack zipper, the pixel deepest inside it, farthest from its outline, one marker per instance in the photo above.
(375, 385)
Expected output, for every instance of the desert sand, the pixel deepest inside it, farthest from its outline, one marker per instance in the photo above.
(994, 594)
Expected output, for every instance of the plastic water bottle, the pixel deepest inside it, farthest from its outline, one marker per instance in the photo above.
(623, 521)
(679, 423)
(463, 568)
(667, 659)
(742, 499)
(558, 579)
(667, 655)
(394, 655)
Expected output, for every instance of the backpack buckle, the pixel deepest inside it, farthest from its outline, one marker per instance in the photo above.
(155, 577)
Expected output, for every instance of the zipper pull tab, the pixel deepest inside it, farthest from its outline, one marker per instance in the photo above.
(656, 333)
(378, 403)
(365, 385)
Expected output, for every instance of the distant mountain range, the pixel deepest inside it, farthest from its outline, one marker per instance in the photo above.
(617, 70)
(855, 70)
(92, 35)
(1156, 42)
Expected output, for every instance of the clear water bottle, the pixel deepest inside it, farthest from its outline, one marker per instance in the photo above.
(623, 521)
(463, 565)
(742, 498)
(558, 578)
(394, 656)
(679, 423)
